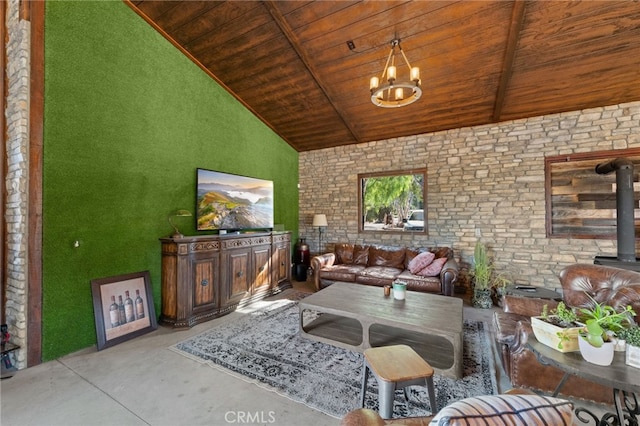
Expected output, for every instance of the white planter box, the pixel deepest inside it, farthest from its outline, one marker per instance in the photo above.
(600, 356)
(548, 334)
(632, 357)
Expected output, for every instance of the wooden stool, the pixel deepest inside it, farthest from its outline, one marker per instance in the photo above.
(396, 367)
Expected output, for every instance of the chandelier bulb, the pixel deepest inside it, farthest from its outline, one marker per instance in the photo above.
(391, 73)
(415, 74)
(373, 84)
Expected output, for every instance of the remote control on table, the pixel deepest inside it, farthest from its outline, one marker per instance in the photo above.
(526, 287)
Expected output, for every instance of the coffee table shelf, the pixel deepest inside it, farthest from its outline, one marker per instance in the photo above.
(333, 328)
(358, 317)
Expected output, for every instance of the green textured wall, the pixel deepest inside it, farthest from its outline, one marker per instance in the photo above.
(128, 119)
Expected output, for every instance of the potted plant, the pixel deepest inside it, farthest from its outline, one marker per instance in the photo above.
(481, 273)
(602, 322)
(631, 336)
(557, 328)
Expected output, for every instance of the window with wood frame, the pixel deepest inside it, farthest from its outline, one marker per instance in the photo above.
(393, 201)
(581, 203)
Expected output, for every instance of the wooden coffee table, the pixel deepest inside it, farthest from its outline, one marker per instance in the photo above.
(357, 317)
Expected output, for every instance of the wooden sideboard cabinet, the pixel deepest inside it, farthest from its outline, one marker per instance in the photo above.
(281, 264)
(204, 277)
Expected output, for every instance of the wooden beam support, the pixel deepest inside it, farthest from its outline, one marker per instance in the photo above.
(36, 142)
(517, 21)
(295, 44)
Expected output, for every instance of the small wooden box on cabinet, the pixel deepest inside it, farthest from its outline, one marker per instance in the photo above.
(205, 277)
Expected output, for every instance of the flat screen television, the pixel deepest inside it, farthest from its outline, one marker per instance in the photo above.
(232, 202)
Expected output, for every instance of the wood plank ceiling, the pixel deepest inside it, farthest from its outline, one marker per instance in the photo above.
(480, 61)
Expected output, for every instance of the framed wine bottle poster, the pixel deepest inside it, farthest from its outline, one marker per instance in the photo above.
(123, 308)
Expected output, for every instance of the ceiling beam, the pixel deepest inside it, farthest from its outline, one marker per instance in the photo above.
(295, 43)
(517, 21)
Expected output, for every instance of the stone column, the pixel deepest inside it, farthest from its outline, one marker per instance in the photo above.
(17, 167)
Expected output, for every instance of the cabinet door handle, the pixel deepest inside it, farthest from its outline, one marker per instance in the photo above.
(204, 282)
(240, 273)
(283, 264)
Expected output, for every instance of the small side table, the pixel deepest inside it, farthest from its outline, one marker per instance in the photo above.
(537, 292)
(396, 367)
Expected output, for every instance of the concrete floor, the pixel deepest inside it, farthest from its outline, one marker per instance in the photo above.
(142, 382)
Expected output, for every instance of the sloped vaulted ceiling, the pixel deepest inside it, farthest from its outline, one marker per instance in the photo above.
(481, 61)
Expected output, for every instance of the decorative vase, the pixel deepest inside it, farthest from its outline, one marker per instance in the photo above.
(399, 290)
(600, 356)
(482, 298)
(556, 337)
(302, 260)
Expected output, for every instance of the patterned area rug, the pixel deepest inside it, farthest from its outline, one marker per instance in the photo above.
(264, 347)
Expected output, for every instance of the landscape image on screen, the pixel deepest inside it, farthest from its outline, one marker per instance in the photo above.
(233, 202)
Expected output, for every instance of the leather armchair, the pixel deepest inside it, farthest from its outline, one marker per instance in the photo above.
(612, 286)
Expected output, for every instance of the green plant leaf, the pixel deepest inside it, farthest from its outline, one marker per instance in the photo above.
(594, 340)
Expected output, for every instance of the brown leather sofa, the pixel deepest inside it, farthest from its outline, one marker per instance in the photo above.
(612, 286)
(381, 265)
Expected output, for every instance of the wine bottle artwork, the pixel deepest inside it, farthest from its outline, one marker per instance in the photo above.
(121, 311)
(139, 305)
(114, 314)
(128, 308)
(122, 307)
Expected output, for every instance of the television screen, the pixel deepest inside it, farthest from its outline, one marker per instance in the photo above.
(232, 202)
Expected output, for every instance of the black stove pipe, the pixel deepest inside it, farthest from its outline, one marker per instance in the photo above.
(624, 205)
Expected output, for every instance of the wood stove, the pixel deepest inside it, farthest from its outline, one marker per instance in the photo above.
(625, 221)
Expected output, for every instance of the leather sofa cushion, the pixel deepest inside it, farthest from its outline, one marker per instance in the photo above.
(392, 257)
(378, 275)
(443, 252)
(418, 283)
(344, 253)
(341, 272)
(360, 255)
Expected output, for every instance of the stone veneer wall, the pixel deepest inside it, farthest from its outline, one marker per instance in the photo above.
(17, 117)
(483, 181)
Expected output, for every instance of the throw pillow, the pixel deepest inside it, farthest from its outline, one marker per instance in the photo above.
(514, 410)
(434, 268)
(420, 262)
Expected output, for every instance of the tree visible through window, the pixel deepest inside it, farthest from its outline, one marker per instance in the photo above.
(393, 201)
